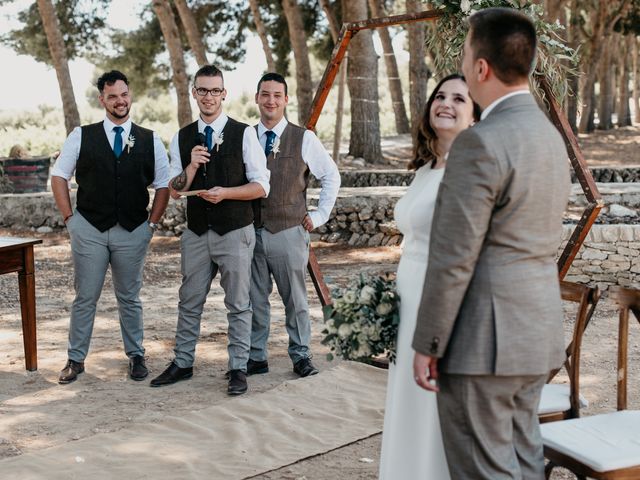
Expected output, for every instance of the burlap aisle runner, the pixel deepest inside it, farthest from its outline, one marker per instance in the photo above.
(237, 439)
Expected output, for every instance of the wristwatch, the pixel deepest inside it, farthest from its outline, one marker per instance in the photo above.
(153, 226)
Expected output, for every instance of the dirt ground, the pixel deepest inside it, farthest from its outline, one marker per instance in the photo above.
(36, 413)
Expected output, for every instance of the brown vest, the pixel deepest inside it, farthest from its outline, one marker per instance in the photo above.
(286, 205)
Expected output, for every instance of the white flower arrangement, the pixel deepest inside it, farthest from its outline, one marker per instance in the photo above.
(218, 140)
(276, 147)
(362, 323)
(130, 142)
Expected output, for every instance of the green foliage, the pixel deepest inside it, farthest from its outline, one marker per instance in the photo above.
(276, 25)
(81, 23)
(555, 59)
(222, 24)
(142, 54)
(136, 54)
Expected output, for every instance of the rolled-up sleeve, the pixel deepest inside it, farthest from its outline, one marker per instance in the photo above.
(254, 159)
(65, 165)
(175, 167)
(324, 169)
(161, 179)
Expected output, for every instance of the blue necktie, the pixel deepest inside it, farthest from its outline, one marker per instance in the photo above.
(271, 137)
(208, 131)
(117, 143)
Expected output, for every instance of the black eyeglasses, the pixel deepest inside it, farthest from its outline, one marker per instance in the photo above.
(214, 92)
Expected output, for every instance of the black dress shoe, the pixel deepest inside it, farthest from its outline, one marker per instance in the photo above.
(304, 367)
(172, 374)
(70, 372)
(137, 368)
(237, 382)
(255, 367)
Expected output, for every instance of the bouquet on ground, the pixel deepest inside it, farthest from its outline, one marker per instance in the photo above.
(362, 322)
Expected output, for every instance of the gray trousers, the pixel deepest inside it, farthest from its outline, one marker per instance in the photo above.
(202, 257)
(93, 251)
(283, 256)
(490, 426)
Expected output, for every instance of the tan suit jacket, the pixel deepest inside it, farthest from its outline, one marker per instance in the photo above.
(491, 301)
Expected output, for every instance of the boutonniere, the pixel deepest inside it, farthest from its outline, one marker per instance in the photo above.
(276, 147)
(217, 140)
(130, 142)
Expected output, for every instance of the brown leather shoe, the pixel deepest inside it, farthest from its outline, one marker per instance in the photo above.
(70, 372)
(237, 382)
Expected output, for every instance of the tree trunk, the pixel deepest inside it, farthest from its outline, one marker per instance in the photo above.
(176, 55)
(60, 63)
(304, 88)
(573, 36)
(262, 33)
(606, 16)
(553, 9)
(334, 28)
(636, 81)
(590, 98)
(193, 34)
(605, 109)
(395, 86)
(418, 72)
(624, 114)
(362, 79)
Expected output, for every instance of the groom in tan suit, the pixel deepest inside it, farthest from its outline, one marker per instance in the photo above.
(490, 320)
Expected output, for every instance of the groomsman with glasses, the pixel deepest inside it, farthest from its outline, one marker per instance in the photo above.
(114, 162)
(219, 164)
(283, 224)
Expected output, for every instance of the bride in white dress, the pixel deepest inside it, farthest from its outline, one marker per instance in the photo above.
(411, 440)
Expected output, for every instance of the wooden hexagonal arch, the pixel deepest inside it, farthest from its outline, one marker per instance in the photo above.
(594, 199)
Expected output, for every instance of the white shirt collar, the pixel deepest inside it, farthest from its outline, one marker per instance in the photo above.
(495, 103)
(278, 129)
(217, 125)
(108, 126)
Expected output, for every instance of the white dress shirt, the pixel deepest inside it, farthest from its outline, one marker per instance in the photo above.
(65, 165)
(255, 162)
(320, 165)
(495, 103)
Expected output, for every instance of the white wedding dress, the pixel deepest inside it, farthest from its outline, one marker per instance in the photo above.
(411, 440)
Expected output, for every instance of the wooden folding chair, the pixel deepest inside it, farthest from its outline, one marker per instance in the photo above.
(559, 402)
(604, 446)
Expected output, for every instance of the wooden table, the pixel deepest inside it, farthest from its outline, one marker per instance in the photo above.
(16, 255)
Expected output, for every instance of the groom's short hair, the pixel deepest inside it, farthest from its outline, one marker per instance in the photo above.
(506, 39)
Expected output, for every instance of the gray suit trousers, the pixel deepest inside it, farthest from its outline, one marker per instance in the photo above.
(93, 251)
(202, 257)
(283, 255)
(490, 426)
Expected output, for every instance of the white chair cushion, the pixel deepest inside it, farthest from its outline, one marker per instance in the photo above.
(555, 398)
(604, 442)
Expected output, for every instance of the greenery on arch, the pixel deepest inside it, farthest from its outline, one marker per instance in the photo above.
(556, 60)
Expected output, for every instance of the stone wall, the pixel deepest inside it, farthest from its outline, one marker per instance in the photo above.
(399, 178)
(609, 256)
(364, 217)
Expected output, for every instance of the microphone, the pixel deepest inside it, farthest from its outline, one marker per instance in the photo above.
(202, 141)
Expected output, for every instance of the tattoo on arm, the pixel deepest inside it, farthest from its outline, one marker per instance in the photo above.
(179, 182)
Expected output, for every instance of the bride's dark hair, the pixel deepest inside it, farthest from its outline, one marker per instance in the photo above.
(426, 138)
